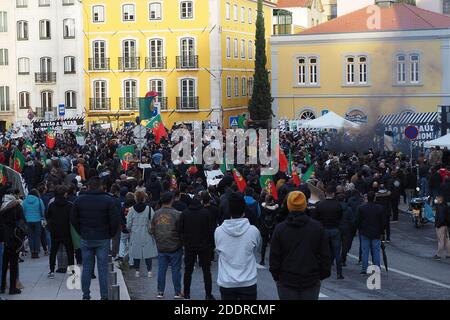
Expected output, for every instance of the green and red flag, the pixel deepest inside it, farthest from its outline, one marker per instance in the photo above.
(307, 157)
(50, 139)
(19, 161)
(173, 181)
(29, 147)
(158, 128)
(3, 178)
(146, 106)
(242, 121)
(126, 154)
(267, 183)
(224, 167)
(292, 170)
(308, 173)
(283, 160)
(43, 159)
(239, 179)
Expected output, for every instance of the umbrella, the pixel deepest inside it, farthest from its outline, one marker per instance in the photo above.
(383, 250)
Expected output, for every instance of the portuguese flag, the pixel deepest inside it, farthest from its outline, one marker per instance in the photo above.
(3, 178)
(43, 159)
(158, 128)
(146, 106)
(267, 183)
(283, 160)
(292, 170)
(19, 161)
(50, 139)
(173, 181)
(308, 173)
(126, 155)
(224, 167)
(29, 147)
(240, 181)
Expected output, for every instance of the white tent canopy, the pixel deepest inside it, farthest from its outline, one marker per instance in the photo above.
(330, 121)
(443, 141)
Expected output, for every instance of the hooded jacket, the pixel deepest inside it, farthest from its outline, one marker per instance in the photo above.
(33, 208)
(252, 210)
(58, 219)
(237, 241)
(195, 223)
(299, 253)
(10, 213)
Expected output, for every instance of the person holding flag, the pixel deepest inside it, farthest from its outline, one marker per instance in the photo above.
(18, 161)
(126, 155)
(240, 181)
(268, 184)
(158, 128)
(50, 139)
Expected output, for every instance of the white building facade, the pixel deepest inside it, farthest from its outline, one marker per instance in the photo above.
(438, 6)
(49, 47)
(7, 65)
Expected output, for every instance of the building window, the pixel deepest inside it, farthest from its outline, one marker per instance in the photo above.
(236, 86)
(156, 54)
(100, 100)
(187, 51)
(24, 100)
(244, 87)
(242, 48)
(250, 18)
(99, 55)
(250, 50)
(130, 94)
(44, 3)
(128, 12)
(24, 66)
(44, 30)
(308, 71)
(47, 101)
(228, 87)
(235, 12)
(4, 99)
(155, 11)
(22, 30)
(69, 65)
(129, 54)
(227, 11)
(242, 14)
(228, 45)
(157, 85)
(350, 70)
(71, 100)
(401, 69)
(414, 68)
(68, 2)
(46, 66)
(187, 10)
(21, 3)
(3, 21)
(98, 14)
(446, 7)
(362, 70)
(250, 86)
(188, 98)
(3, 57)
(236, 49)
(69, 28)
(307, 115)
(356, 70)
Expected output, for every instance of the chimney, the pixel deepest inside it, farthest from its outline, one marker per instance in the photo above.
(385, 3)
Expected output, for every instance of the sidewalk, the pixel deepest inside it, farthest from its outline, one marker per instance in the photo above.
(33, 276)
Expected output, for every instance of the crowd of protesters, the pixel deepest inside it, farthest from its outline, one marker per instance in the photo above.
(168, 212)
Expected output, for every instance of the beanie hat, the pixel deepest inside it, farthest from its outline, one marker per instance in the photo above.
(236, 204)
(296, 201)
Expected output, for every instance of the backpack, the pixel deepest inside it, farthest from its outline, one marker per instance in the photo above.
(251, 213)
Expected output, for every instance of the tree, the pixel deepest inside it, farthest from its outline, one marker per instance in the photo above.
(260, 104)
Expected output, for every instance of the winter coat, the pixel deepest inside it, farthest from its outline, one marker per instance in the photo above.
(58, 219)
(33, 208)
(11, 212)
(299, 252)
(384, 199)
(252, 210)
(269, 219)
(370, 220)
(142, 243)
(195, 226)
(164, 229)
(329, 213)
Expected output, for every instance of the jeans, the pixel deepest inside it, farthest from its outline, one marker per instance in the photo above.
(243, 293)
(205, 262)
(174, 260)
(34, 236)
(46, 241)
(423, 186)
(334, 240)
(91, 249)
(289, 293)
(148, 262)
(373, 246)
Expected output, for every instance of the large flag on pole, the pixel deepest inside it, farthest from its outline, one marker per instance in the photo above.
(240, 181)
(266, 182)
(50, 139)
(158, 128)
(29, 147)
(292, 170)
(126, 155)
(146, 105)
(308, 173)
(19, 161)
(283, 160)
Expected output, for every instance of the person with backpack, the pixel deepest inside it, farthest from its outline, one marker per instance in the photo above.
(268, 221)
(252, 209)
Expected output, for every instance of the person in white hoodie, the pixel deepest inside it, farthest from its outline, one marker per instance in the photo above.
(237, 242)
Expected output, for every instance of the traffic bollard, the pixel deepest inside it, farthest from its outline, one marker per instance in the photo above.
(115, 292)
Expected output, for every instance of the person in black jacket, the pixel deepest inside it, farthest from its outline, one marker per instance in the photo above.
(346, 228)
(329, 212)
(299, 253)
(11, 213)
(370, 221)
(267, 223)
(383, 198)
(441, 223)
(96, 218)
(58, 219)
(193, 225)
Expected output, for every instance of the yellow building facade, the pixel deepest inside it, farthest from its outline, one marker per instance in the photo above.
(360, 75)
(183, 50)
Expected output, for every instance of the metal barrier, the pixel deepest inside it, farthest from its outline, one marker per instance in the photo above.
(113, 287)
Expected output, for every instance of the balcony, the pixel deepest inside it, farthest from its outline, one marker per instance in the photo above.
(187, 62)
(98, 64)
(163, 103)
(129, 63)
(45, 77)
(100, 104)
(155, 63)
(129, 103)
(187, 103)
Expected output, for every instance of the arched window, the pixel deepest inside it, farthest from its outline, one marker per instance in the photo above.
(130, 101)
(22, 30)
(155, 11)
(100, 100)
(69, 65)
(44, 30)
(307, 114)
(356, 116)
(71, 99)
(24, 100)
(24, 66)
(188, 99)
(47, 101)
(69, 29)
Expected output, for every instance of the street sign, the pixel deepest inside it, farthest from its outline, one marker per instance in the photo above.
(140, 142)
(156, 108)
(139, 132)
(411, 132)
(234, 121)
(61, 110)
